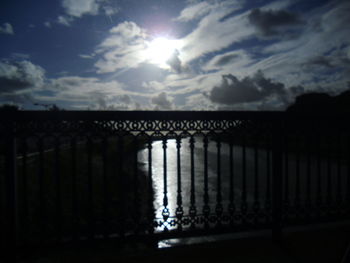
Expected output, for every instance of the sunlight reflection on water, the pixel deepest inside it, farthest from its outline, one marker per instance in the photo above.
(171, 165)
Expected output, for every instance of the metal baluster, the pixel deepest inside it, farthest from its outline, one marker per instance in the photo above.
(318, 183)
(25, 215)
(75, 205)
(179, 209)
(165, 212)
(150, 188)
(268, 180)
(339, 181)
(286, 178)
(91, 219)
(244, 205)
(297, 176)
(277, 181)
(137, 214)
(256, 206)
(193, 210)
(57, 173)
(308, 179)
(329, 178)
(121, 187)
(206, 207)
(42, 203)
(231, 206)
(348, 177)
(106, 196)
(218, 208)
(3, 233)
(11, 208)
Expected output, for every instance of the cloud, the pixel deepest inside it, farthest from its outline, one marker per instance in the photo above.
(86, 56)
(320, 61)
(215, 31)
(162, 102)
(270, 22)
(16, 99)
(125, 99)
(110, 10)
(47, 24)
(74, 9)
(78, 8)
(249, 89)
(175, 63)
(232, 60)
(123, 48)
(65, 20)
(20, 56)
(6, 28)
(194, 11)
(317, 58)
(153, 86)
(17, 76)
(83, 92)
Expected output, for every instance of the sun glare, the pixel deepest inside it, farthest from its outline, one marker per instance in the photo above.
(161, 49)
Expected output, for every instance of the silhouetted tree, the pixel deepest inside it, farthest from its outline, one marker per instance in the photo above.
(9, 107)
(321, 102)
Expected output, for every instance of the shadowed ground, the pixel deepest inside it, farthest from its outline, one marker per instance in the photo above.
(315, 244)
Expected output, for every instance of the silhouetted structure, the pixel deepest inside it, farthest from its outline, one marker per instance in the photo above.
(83, 182)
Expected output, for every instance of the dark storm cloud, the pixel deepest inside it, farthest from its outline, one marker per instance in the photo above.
(249, 89)
(269, 22)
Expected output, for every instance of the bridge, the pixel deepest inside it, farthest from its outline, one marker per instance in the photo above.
(75, 177)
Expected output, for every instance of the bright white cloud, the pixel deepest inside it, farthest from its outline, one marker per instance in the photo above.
(6, 28)
(129, 46)
(122, 48)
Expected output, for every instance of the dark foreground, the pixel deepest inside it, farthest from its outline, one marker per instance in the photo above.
(327, 243)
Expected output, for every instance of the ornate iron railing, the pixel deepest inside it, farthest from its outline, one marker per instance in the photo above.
(70, 176)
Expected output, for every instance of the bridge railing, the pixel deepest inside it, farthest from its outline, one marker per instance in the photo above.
(73, 176)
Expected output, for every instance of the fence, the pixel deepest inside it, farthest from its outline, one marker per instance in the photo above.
(75, 176)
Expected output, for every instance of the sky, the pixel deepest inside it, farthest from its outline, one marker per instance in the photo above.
(171, 55)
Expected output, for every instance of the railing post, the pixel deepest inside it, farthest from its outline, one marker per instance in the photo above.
(11, 194)
(277, 182)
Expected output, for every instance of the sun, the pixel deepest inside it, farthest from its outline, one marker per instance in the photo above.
(160, 50)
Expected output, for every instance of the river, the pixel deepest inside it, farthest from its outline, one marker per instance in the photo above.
(199, 167)
(304, 172)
